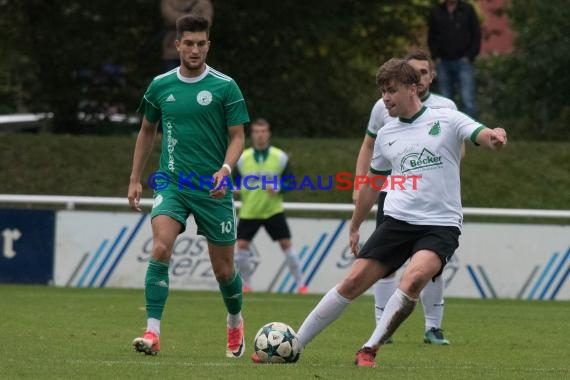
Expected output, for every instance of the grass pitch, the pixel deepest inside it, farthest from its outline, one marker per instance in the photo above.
(56, 333)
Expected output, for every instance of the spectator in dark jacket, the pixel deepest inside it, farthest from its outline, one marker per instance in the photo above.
(454, 39)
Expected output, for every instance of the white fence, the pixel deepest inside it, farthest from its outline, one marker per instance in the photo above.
(110, 249)
(71, 201)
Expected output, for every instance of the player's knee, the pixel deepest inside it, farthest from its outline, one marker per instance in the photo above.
(349, 288)
(413, 283)
(243, 244)
(160, 251)
(285, 244)
(224, 274)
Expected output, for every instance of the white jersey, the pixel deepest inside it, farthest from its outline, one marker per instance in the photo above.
(427, 145)
(379, 115)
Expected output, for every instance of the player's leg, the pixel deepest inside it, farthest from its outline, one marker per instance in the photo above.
(374, 261)
(393, 246)
(363, 273)
(230, 284)
(246, 231)
(385, 287)
(466, 79)
(278, 228)
(433, 248)
(243, 263)
(164, 231)
(445, 78)
(444, 241)
(423, 265)
(383, 290)
(217, 222)
(433, 304)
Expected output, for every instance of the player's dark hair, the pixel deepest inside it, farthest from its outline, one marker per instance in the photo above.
(397, 70)
(191, 23)
(419, 55)
(260, 121)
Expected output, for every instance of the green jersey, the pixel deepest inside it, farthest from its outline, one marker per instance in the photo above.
(195, 114)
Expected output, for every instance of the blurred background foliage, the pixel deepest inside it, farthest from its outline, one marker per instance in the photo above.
(307, 67)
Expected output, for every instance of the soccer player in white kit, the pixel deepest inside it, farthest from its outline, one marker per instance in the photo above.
(432, 295)
(422, 225)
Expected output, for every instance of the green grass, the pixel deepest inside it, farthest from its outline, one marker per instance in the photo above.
(56, 333)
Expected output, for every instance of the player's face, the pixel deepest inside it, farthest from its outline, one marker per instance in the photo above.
(260, 136)
(426, 75)
(398, 98)
(193, 48)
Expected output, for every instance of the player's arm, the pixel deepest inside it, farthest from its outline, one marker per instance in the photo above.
(462, 150)
(366, 198)
(234, 151)
(363, 161)
(143, 148)
(494, 139)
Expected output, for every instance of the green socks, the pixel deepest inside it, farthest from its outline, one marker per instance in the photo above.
(156, 288)
(231, 292)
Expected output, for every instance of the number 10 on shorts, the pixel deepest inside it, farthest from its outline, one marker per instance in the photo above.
(226, 227)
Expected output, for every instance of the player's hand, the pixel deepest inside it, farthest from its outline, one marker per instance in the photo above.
(271, 190)
(134, 195)
(498, 138)
(220, 178)
(354, 240)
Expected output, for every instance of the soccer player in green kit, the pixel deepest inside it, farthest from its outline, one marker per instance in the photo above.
(202, 113)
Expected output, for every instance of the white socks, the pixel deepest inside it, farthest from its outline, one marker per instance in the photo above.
(431, 297)
(383, 290)
(327, 311)
(432, 302)
(153, 325)
(234, 320)
(294, 266)
(244, 265)
(397, 309)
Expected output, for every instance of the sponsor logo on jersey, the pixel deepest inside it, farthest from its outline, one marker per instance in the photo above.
(415, 161)
(170, 98)
(204, 98)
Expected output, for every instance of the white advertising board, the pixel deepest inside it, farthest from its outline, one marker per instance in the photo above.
(103, 249)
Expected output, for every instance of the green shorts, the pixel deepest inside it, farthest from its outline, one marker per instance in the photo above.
(216, 218)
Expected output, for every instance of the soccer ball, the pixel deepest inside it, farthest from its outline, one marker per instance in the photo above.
(277, 342)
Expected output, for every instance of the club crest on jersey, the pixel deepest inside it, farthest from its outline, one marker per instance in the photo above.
(204, 98)
(435, 129)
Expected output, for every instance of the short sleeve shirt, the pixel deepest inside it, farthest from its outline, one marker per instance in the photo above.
(427, 145)
(195, 115)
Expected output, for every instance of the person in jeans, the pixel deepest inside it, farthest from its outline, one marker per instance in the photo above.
(454, 40)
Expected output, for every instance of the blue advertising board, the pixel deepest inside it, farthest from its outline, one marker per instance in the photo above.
(26, 246)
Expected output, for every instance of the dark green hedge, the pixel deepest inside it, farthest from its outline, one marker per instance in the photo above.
(307, 66)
